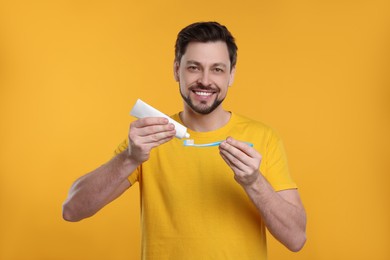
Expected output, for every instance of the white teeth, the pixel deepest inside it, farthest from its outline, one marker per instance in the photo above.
(203, 93)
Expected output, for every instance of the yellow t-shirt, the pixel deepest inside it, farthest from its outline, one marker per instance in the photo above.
(191, 206)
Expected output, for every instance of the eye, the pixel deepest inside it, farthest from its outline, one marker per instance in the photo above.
(218, 70)
(192, 68)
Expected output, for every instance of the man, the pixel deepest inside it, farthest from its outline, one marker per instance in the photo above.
(201, 203)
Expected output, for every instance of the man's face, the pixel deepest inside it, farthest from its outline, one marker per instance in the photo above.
(204, 75)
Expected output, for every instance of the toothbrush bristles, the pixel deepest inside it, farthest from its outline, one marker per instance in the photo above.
(189, 142)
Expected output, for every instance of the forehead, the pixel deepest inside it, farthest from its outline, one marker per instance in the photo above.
(207, 52)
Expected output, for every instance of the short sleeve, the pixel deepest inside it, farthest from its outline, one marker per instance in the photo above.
(277, 171)
(121, 148)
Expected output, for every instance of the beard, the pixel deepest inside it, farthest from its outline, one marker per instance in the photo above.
(202, 108)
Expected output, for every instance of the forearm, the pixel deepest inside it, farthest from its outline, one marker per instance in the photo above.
(94, 190)
(285, 220)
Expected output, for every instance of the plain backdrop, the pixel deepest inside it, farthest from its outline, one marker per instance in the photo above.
(70, 71)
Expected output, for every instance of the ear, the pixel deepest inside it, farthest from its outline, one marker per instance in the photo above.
(232, 73)
(176, 66)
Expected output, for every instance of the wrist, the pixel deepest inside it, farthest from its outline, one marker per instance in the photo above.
(126, 163)
(259, 182)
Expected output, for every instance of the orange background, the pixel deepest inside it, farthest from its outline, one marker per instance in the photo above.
(70, 71)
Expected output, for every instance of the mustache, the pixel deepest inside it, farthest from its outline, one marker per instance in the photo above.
(201, 86)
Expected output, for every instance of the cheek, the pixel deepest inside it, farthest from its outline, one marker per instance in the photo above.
(183, 85)
(187, 79)
(224, 84)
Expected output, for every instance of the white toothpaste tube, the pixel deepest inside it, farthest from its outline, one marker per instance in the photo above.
(141, 110)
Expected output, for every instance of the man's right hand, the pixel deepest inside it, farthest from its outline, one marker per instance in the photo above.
(147, 133)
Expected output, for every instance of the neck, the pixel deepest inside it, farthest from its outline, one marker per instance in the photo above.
(205, 123)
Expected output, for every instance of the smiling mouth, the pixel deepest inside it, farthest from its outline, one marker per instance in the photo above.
(203, 93)
(200, 100)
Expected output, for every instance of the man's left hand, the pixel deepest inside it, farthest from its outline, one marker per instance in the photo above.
(243, 159)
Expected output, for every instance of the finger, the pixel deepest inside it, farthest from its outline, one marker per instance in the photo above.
(244, 147)
(235, 155)
(227, 161)
(148, 121)
(234, 162)
(159, 137)
(150, 126)
(168, 138)
(142, 136)
(156, 132)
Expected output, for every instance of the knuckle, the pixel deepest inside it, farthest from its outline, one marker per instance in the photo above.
(155, 137)
(135, 141)
(132, 136)
(253, 168)
(135, 123)
(234, 160)
(146, 120)
(156, 128)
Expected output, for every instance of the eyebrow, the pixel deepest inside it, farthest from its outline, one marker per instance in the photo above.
(217, 64)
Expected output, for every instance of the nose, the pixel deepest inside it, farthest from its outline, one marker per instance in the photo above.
(204, 78)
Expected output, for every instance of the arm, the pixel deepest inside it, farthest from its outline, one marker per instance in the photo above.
(96, 189)
(282, 212)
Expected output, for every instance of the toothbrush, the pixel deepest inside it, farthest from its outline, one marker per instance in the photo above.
(190, 142)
